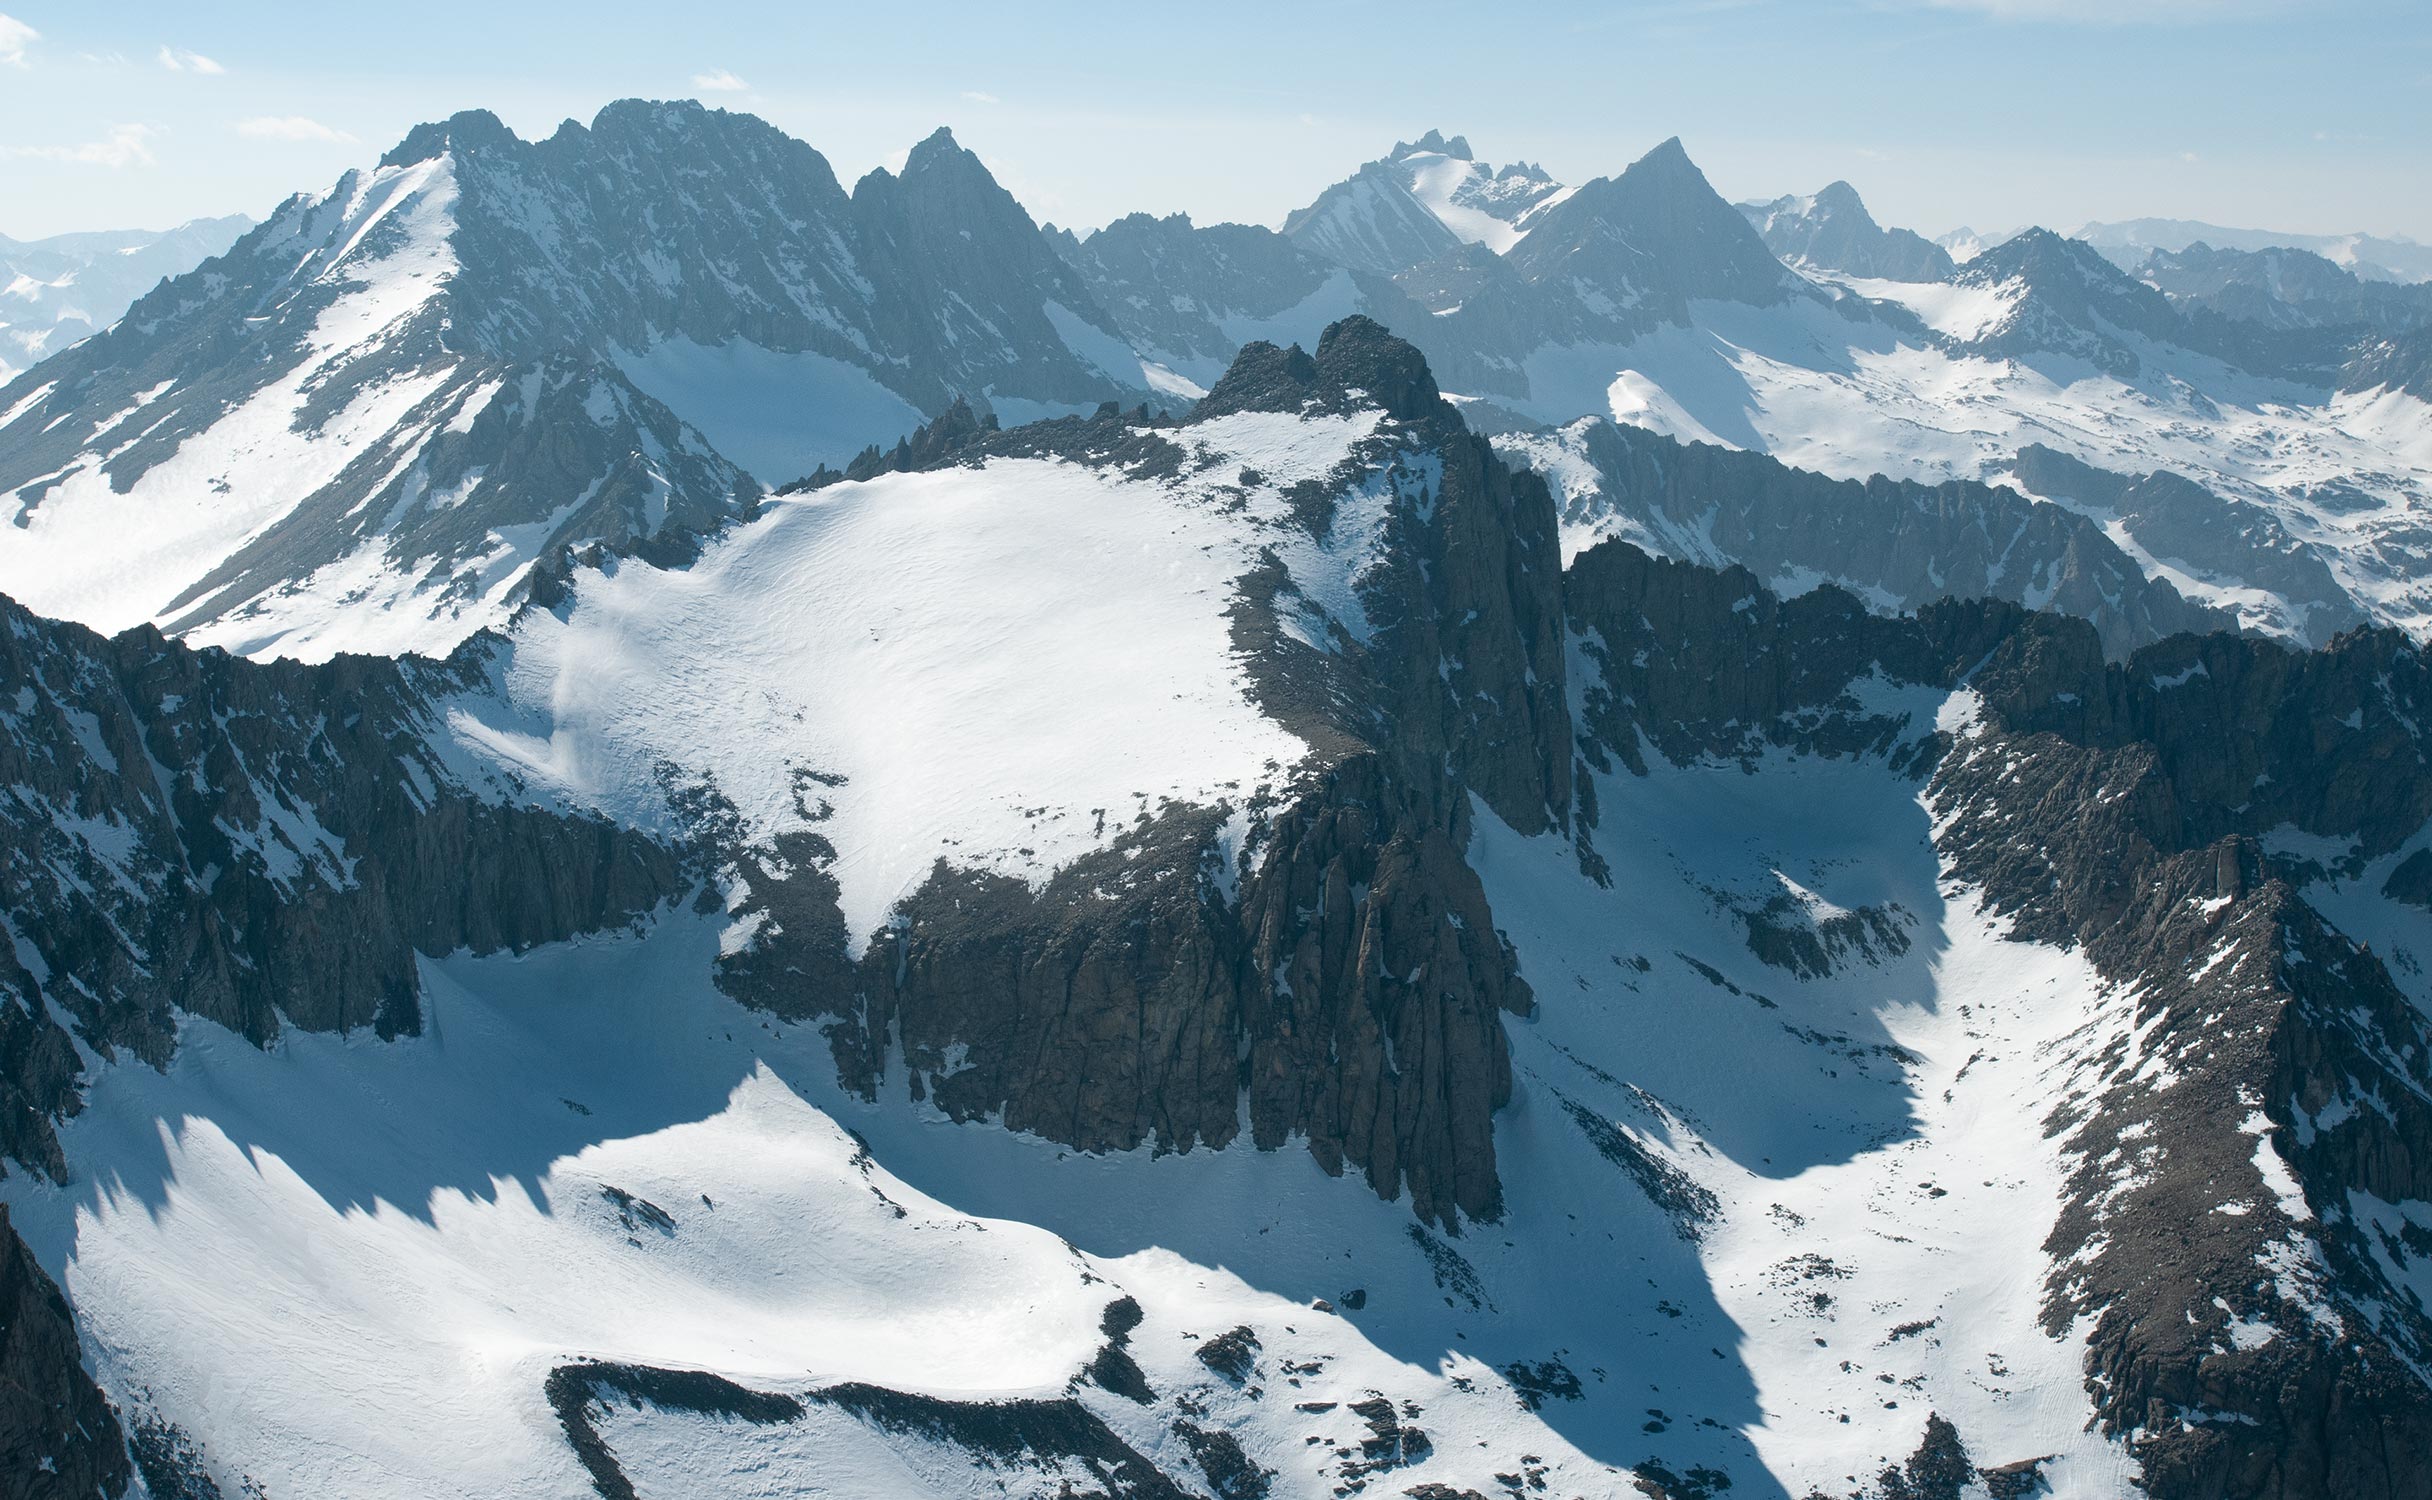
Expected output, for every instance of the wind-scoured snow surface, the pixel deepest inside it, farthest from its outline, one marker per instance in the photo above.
(1001, 667)
(2349, 473)
(349, 1268)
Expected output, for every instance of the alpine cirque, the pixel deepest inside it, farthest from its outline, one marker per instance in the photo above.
(676, 827)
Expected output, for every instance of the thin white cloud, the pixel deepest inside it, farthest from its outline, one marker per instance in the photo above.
(14, 36)
(179, 60)
(291, 128)
(723, 81)
(976, 97)
(122, 146)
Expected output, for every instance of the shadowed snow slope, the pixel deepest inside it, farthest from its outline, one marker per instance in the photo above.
(1824, 1051)
(354, 1265)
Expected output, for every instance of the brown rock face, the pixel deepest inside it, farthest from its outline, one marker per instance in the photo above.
(1352, 994)
(59, 1440)
(258, 844)
(1377, 1031)
(2122, 809)
(1346, 987)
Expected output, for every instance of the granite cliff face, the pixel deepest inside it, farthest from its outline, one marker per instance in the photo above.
(260, 846)
(2227, 1236)
(58, 1434)
(1347, 984)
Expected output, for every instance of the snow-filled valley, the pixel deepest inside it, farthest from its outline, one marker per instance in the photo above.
(347, 1265)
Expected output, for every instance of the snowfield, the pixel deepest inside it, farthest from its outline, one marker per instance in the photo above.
(1003, 667)
(341, 1247)
(1872, 1248)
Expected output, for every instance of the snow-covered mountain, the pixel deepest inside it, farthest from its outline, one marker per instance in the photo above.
(2285, 289)
(1830, 229)
(1643, 299)
(56, 291)
(1899, 545)
(1188, 297)
(368, 486)
(1646, 300)
(1516, 840)
(882, 1001)
(1420, 200)
(1965, 244)
(359, 427)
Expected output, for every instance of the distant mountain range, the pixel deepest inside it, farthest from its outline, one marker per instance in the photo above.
(363, 424)
(2371, 257)
(680, 830)
(56, 291)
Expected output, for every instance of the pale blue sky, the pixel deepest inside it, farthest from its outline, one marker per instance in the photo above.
(2272, 113)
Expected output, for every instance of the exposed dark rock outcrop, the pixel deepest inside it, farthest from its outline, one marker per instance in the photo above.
(2210, 536)
(260, 845)
(59, 1439)
(574, 1391)
(1346, 981)
(1901, 543)
(2247, 1338)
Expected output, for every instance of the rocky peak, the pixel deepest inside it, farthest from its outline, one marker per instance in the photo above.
(1358, 362)
(939, 151)
(1831, 230)
(1456, 147)
(1838, 197)
(1262, 377)
(1420, 201)
(2041, 255)
(2072, 301)
(1657, 234)
(466, 130)
(1359, 354)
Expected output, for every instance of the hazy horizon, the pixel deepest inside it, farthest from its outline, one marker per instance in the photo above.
(1986, 113)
